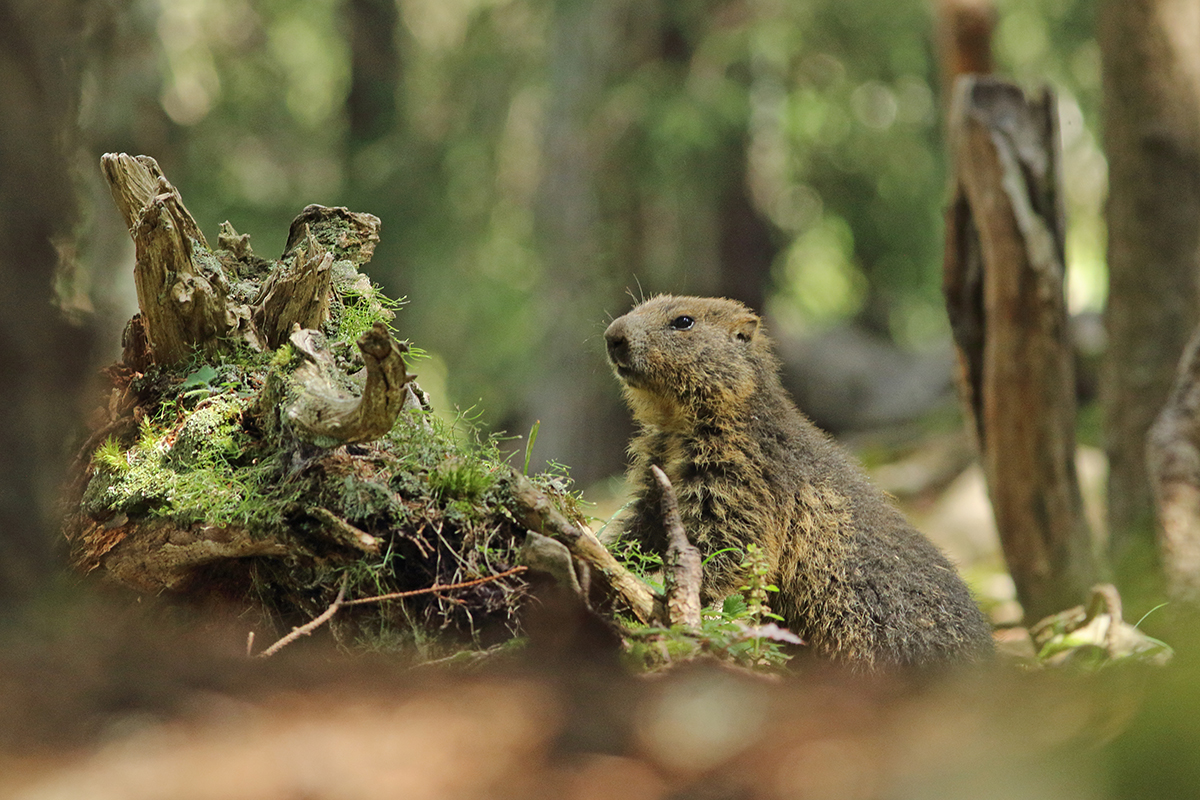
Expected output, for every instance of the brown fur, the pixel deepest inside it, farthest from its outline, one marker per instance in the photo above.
(856, 581)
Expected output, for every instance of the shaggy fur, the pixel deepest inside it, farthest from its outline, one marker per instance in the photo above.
(856, 581)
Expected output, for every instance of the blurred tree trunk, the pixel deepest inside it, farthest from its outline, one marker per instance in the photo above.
(747, 245)
(1173, 458)
(42, 359)
(573, 393)
(964, 40)
(604, 229)
(374, 69)
(1150, 51)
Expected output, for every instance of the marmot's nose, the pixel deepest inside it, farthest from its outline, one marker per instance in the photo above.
(618, 343)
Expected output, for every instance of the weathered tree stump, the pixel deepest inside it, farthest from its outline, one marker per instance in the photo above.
(264, 442)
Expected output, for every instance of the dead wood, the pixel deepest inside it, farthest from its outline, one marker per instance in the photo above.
(296, 295)
(220, 471)
(307, 628)
(1173, 462)
(340, 601)
(1095, 631)
(535, 510)
(325, 413)
(682, 568)
(1003, 283)
(353, 234)
(450, 587)
(551, 557)
(182, 290)
(165, 556)
(344, 532)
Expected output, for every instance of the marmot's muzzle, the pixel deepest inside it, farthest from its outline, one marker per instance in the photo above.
(618, 344)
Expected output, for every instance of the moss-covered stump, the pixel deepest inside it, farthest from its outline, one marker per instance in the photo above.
(262, 441)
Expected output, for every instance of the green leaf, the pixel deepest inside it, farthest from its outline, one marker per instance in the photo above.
(201, 377)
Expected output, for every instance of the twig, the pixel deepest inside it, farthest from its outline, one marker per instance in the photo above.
(436, 588)
(340, 601)
(683, 573)
(309, 627)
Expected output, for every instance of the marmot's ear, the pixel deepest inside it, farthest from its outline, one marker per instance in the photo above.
(746, 328)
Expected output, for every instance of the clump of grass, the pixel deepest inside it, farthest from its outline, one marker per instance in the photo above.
(742, 629)
(459, 478)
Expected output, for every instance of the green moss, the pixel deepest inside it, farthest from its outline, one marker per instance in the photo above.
(354, 310)
(110, 457)
(187, 466)
(460, 478)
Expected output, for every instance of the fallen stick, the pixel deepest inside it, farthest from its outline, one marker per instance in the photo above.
(436, 588)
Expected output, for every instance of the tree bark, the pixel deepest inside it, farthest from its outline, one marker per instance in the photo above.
(42, 358)
(1004, 291)
(1173, 460)
(1150, 53)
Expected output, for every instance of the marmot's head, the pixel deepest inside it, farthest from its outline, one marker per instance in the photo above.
(688, 359)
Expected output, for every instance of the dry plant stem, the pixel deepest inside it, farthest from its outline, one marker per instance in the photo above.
(309, 627)
(683, 571)
(1173, 462)
(533, 509)
(1003, 283)
(436, 588)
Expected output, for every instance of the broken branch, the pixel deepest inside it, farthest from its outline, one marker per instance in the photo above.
(682, 574)
(534, 509)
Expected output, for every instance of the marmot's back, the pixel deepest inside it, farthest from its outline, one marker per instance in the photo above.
(856, 580)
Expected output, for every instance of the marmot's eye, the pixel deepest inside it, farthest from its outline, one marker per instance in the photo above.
(682, 323)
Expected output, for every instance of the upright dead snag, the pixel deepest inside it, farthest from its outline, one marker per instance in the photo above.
(1003, 282)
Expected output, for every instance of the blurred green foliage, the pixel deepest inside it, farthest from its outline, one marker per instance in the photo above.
(828, 112)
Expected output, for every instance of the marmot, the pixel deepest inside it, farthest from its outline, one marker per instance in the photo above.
(856, 581)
